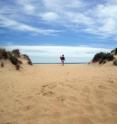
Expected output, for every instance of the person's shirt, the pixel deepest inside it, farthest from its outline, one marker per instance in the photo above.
(62, 58)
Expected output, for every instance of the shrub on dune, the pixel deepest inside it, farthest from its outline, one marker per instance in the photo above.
(13, 57)
(28, 59)
(103, 57)
(98, 57)
(14, 60)
(30, 62)
(102, 61)
(9, 54)
(16, 52)
(3, 54)
(114, 52)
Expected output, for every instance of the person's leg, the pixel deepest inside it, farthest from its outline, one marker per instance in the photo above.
(62, 62)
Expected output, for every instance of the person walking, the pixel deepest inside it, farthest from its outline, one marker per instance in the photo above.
(62, 58)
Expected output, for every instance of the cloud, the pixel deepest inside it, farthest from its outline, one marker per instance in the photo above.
(49, 16)
(12, 24)
(60, 5)
(27, 6)
(48, 54)
(92, 17)
(79, 19)
(99, 18)
(105, 20)
(16, 16)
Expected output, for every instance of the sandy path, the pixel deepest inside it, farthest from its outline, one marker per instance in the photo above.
(53, 94)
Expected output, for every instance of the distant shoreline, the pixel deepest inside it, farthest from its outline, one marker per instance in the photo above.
(65, 63)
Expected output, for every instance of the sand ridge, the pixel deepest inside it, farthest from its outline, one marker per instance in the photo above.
(55, 94)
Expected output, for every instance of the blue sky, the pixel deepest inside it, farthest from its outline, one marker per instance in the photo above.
(72, 27)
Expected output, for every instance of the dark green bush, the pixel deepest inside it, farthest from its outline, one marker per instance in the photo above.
(29, 62)
(13, 57)
(16, 52)
(3, 54)
(14, 60)
(102, 61)
(9, 54)
(103, 57)
(109, 57)
(28, 59)
(98, 57)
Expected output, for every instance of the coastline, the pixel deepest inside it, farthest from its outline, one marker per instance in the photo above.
(60, 63)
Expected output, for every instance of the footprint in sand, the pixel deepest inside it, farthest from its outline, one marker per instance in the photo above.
(79, 120)
(102, 87)
(110, 120)
(29, 97)
(61, 98)
(112, 107)
(111, 81)
(84, 120)
(2, 111)
(47, 93)
(46, 85)
(85, 94)
(88, 108)
(73, 98)
(86, 90)
(9, 123)
(46, 90)
(50, 86)
(27, 107)
(99, 95)
(71, 86)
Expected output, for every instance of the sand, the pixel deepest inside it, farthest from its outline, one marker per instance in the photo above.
(55, 94)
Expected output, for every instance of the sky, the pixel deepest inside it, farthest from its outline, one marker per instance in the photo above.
(45, 29)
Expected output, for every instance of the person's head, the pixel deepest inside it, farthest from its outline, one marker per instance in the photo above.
(62, 55)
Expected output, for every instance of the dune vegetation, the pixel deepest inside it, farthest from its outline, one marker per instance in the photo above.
(14, 57)
(103, 57)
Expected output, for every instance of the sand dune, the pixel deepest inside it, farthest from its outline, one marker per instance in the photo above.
(54, 94)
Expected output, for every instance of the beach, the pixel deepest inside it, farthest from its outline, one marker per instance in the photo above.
(55, 94)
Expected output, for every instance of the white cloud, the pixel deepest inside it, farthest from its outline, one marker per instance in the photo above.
(105, 20)
(48, 54)
(12, 24)
(100, 19)
(49, 16)
(79, 18)
(60, 5)
(27, 6)
(79, 15)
